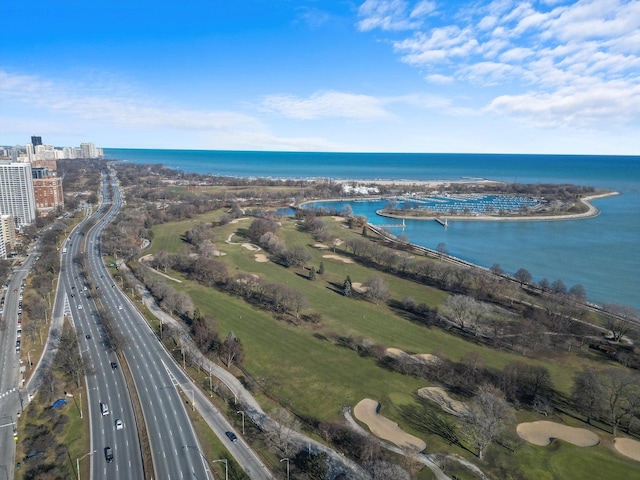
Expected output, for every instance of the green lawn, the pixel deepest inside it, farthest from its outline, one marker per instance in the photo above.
(315, 377)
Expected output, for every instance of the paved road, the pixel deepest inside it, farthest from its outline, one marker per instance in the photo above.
(10, 376)
(175, 448)
(105, 386)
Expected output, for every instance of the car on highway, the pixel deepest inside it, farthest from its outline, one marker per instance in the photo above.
(119, 307)
(79, 307)
(232, 436)
(108, 454)
(114, 365)
(119, 425)
(87, 336)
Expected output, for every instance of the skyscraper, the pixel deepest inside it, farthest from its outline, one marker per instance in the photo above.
(17, 196)
(35, 141)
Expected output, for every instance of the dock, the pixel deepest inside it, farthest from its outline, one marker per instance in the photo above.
(442, 222)
(393, 225)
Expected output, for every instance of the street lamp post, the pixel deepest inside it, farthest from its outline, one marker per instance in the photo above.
(287, 466)
(78, 461)
(226, 467)
(29, 356)
(240, 412)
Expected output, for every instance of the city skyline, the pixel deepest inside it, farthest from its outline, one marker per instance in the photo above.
(552, 76)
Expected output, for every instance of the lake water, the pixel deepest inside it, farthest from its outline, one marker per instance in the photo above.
(600, 253)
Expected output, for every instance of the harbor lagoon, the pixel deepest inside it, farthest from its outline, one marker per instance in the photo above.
(599, 253)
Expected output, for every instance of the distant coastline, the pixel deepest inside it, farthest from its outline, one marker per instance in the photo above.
(598, 254)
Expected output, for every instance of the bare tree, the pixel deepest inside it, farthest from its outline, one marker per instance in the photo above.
(71, 363)
(523, 276)
(622, 395)
(231, 351)
(281, 429)
(488, 415)
(587, 393)
(381, 470)
(496, 269)
(377, 289)
(460, 308)
(618, 318)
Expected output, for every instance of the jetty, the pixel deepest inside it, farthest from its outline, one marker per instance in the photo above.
(442, 222)
(393, 225)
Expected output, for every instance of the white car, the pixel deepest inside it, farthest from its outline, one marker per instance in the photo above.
(119, 307)
(79, 307)
(119, 425)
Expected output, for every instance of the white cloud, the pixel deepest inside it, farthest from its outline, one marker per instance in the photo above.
(326, 105)
(313, 17)
(440, 79)
(557, 56)
(487, 22)
(616, 102)
(385, 15)
(423, 9)
(516, 54)
(442, 44)
(69, 109)
(114, 106)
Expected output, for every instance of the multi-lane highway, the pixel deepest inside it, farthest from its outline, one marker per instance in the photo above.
(174, 445)
(106, 390)
(159, 381)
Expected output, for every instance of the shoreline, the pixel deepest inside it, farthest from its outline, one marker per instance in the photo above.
(590, 213)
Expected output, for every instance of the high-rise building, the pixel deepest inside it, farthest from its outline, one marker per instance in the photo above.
(3, 246)
(88, 150)
(35, 141)
(17, 197)
(7, 234)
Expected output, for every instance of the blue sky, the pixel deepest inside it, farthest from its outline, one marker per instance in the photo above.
(505, 76)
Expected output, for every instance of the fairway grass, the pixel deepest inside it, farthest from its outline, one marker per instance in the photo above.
(307, 371)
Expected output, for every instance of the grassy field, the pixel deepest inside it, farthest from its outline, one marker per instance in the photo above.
(314, 377)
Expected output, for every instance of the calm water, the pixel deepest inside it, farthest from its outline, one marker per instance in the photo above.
(600, 253)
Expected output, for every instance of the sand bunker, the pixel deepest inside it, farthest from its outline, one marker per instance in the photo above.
(543, 433)
(218, 253)
(321, 246)
(236, 220)
(251, 246)
(628, 447)
(442, 398)
(418, 357)
(338, 257)
(357, 286)
(382, 427)
(261, 258)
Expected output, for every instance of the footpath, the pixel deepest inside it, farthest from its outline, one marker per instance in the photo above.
(338, 463)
